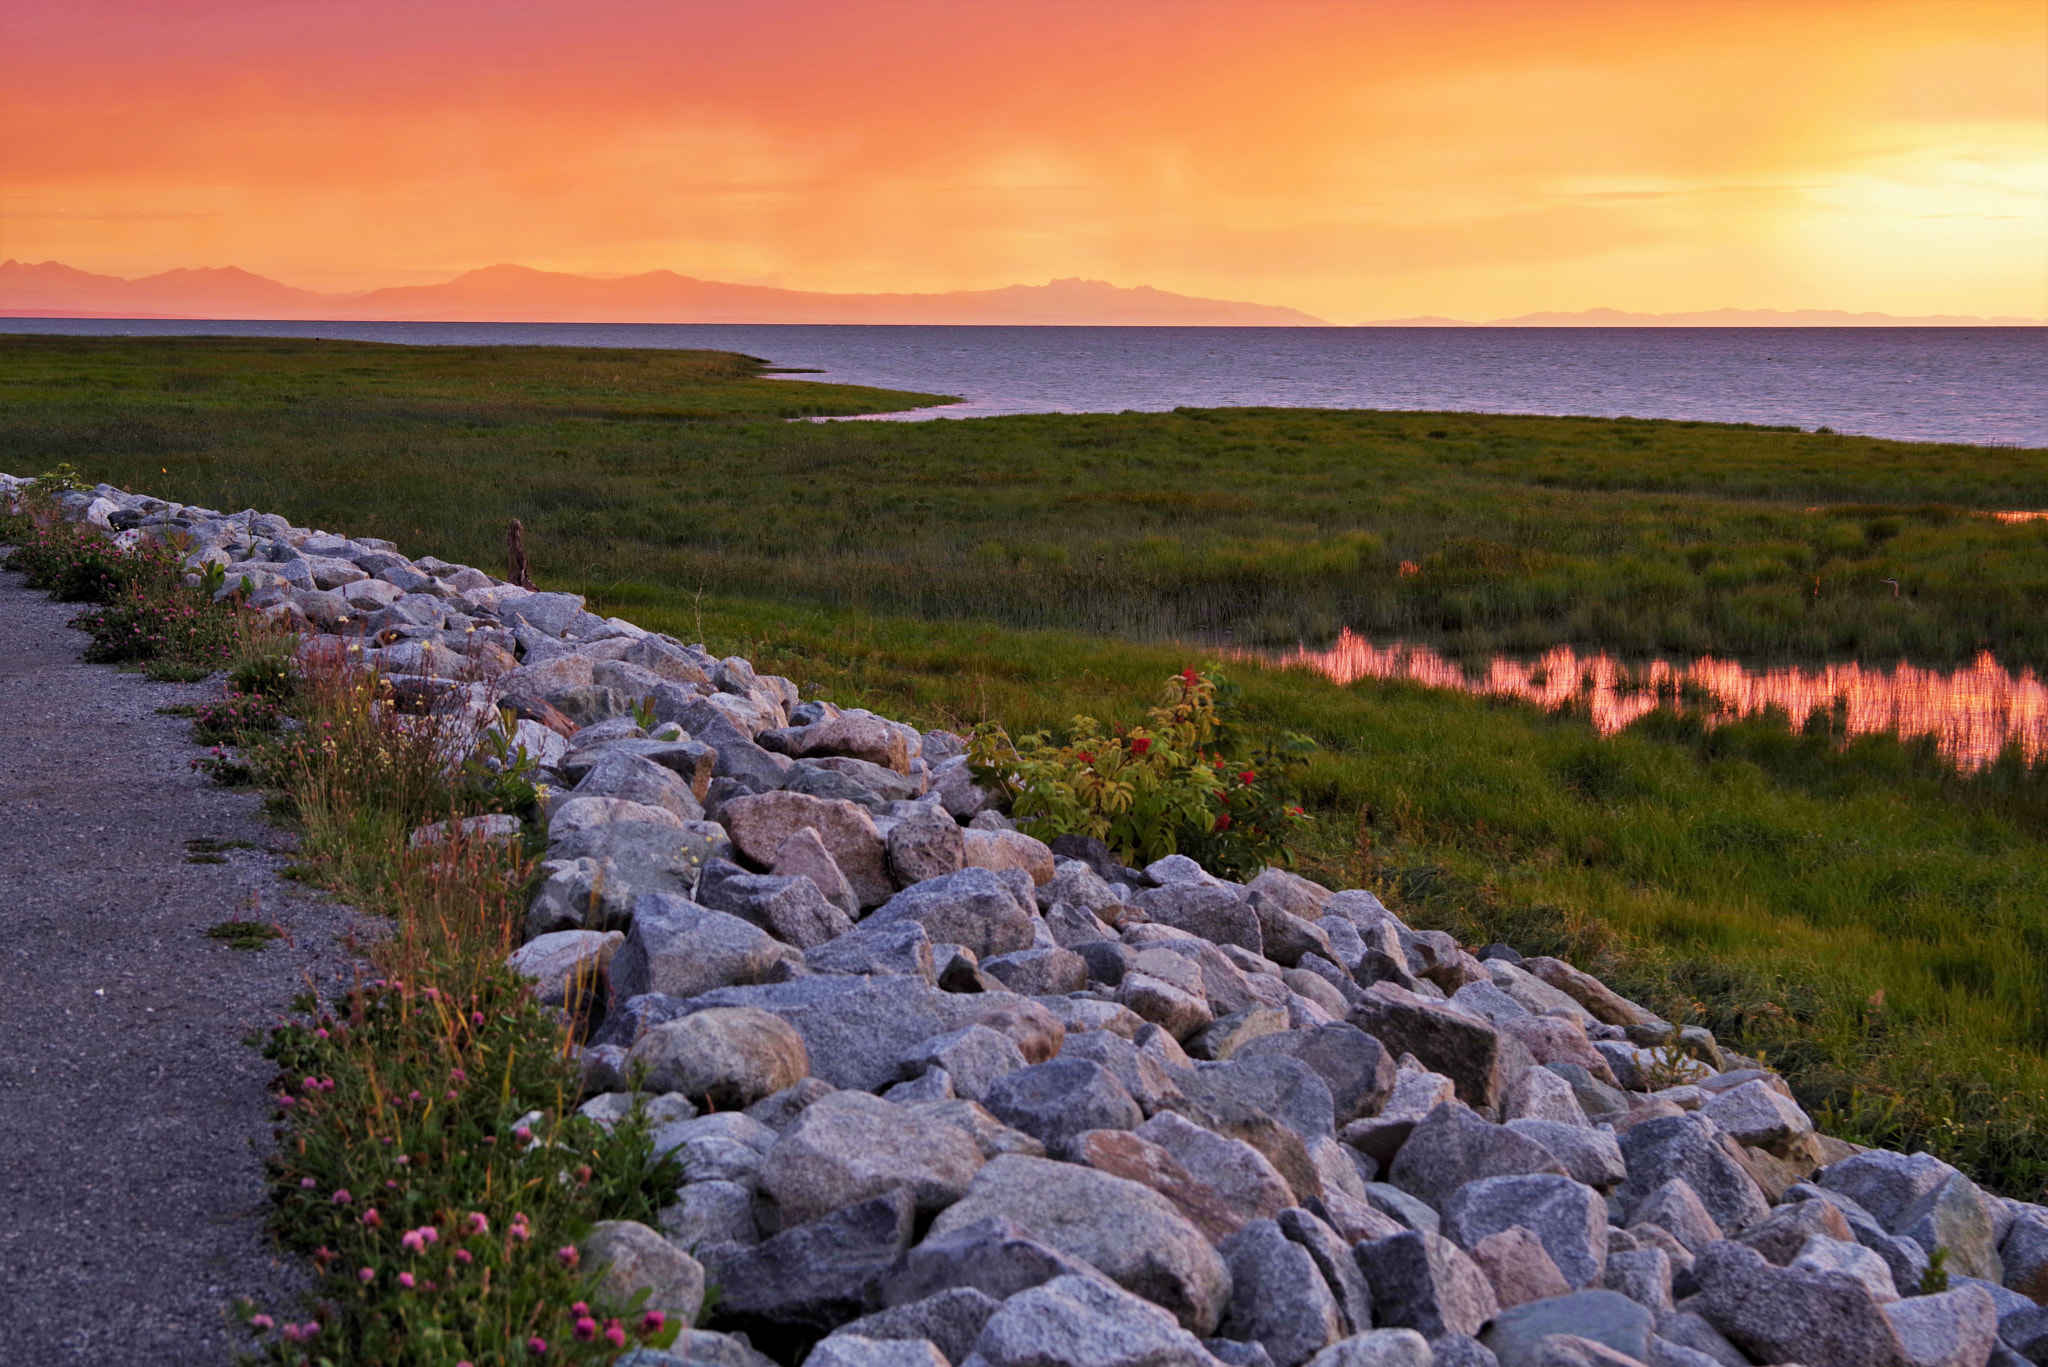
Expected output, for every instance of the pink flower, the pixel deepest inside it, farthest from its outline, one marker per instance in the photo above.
(451, 1094)
(262, 1324)
(372, 1218)
(311, 1084)
(586, 1329)
(412, 1242)
(405, 1280)
(476, 1018)
(568, 1254)
(614, 1334)
(537, 1346)
(307, 1183)
(651, 1322)
(462, 1255)
(522, 1134)
(342, 1198)
(320, 1034)
(367, 1275)
(286, 1100)
(476, 1223)
(458, 1075)
(430, 1234)
(580, 1308)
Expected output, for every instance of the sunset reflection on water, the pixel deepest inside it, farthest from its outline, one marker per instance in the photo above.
(1973, 712)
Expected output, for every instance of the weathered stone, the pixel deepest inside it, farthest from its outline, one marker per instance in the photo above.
(1278, 1298)
(649, 856)
(933, 1084)
(681, 949)
(850, 1146)
(862, 735)
(2024, 1254)
(1000, 850)
(1128, 1231)
(1641, 1274)
(928, 845)
(1449, 1042)
(1596, 997)
(722, 1147)
(1598, 1101)
(589, 704)
(1120, 1153)
(1605, 1317)
(829, 785)
(779, 1111)
(1148, 1080)
(1783, 1234)
(1357, 1068)
(1282, 1086)
(729, 1056)
(761, 823)
(1953, 1329)
(1424, 1282)
(788, 1290)
(1570, 1220)
(1081, 1322)
(1047, 971)
(1452, 1146)
(1223, 1038)
(1384, 1348)
(612, 1107)
(1036, 1030)
(710, 1213)
(1175, 1003)
(950, 1320)
(699, 1348)
(1822, 1254)
(572, 816)
(787, 907)
(631, 1257)
(1677, 1209)
(973, 907)
(1078, 885)
(1756, 1114)
(893, 948)
(1519, 1268)
(1293, 894)
(1334, 1263)
(1956, 1216)
(844, 1349)
(1779, 1315)
(1244, 1177)
(973, 1058)
(1692, 1147)
(1058, 1100)
(568, 967)
(620, 774)
(993, 1256)
(1591, 1156)
(1216, 914)
(804, 855)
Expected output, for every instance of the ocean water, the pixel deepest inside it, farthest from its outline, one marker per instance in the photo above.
(1978, 385)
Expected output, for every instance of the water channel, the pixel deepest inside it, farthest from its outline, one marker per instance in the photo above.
(1973, 712)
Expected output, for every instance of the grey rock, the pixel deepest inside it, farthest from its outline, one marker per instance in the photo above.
(1056, 1101)
(653, 857)
(1757, 1114)
(1238, 1353)
(792, 1288)
(681, 949)
(926, 846)
(1283, 1086)
(1462, 1350)
(1956, 1216)
(1598, 1100)
(761, 823)
(1643, 1275)
(618, 773)
(855, 1029)
(844, 1349)
(1567, 1218)
(1278, 1297)
(1386, 1348)
(630, 1258)
(1515, 1262)
(1356, 1067)
(889, 949)
(933, 1084)
(1906, 1259)
(1128, 1231)
(2024, 1254)
(1677, 1209)
(779, 1112)
(1605, 1317)
(951, 1321)
(699, 1348)
(1692, 1147)
(1691, 1332)
(1424, 1282)
(1411, 1211)
(1150, 1083)
(1074, 883)
(1953, 1329)
(710, 1213)
(1779, 1315)
(973, 907)
(792, 909)
(730, 1057)
(1783, 1234)
(850, 1146)
(1336, 1264)
(1241, 1175)
(1665, 1353)
(995, 1257)
(813, 780)
(1592, 1156)
(973, 1059)
(1048, 971)
(1223, 1038)
(1449, 1042)
(1081, 1322)
(1823, 1254)
(803, 855)
(2027, 1334)
(1452, 1146)
(1216, 914)
(1886, 1184)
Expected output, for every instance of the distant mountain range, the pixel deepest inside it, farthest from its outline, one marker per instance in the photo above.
(1714, 318)
(520, 294)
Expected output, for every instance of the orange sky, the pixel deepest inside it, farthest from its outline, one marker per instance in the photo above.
(1357, 160)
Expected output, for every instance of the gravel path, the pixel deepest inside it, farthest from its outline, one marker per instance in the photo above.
(131, 1113)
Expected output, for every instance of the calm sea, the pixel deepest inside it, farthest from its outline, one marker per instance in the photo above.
(1981, 385)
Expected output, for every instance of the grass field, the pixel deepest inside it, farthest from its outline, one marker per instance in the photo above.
(1874, 921)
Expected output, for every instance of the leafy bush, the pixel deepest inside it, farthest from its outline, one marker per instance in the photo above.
(234, 716)
(1187, 781)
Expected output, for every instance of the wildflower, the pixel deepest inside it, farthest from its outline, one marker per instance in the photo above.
(651, 1322)
(367, 1275)
(569, 1256)
(1140, 745)
(522, 1134)
(476, 1018)
(323, 1255)
(586, 1329)
(1084, 757)
(1247, 777)
(412, 1096)
(458, 1075)
(307, 1183)
(373, 1219)
(537, 1346)
(412, 1242)
(580, 1308)
(342, 1197)
(449, 1094)
(615, 1334)
(429, 1233)
(286, 1100)
(405, 1279)
(261, 1323)
(476, 1223)
(464, 1256)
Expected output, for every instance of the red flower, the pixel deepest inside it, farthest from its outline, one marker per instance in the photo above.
(1223, 822)
(1141, 745)
(1247, 777)
(1084, 757)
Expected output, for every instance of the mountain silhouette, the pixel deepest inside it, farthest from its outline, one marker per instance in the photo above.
(521, 294)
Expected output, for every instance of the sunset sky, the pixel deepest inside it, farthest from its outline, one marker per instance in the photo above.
(1355, 160)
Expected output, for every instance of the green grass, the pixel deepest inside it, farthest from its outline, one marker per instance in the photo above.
(1872, 920)
(1255, 526)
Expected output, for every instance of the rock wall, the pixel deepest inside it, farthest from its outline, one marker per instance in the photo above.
(946, 1094)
